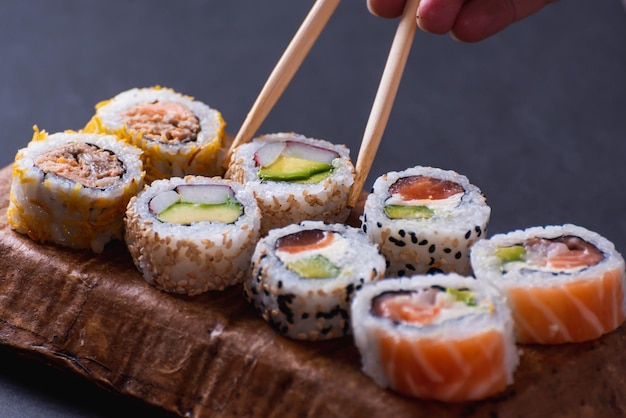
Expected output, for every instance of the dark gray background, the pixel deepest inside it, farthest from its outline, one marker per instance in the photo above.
(535, 116)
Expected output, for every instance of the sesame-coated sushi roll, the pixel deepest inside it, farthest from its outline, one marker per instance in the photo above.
(564, 283)
(425, 219)
(304, 275)
(444, 336)
(295, 178)
(178, 134)
(72, 188)
(193, 234)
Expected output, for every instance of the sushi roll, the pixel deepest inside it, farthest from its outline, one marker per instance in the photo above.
(444, 337)
(193, 234)
(564, 283)
(295, 178)
(71, 188)
(304, 276)
(425, 219)
(178, 135)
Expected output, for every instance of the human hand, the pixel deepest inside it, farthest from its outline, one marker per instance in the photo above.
(468, 21)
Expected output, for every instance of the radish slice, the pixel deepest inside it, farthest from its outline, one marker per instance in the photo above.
(164, 200)
(210, 194)
(309, 152)
(268, 153)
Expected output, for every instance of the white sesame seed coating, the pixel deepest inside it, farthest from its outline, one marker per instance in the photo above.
(191, 259)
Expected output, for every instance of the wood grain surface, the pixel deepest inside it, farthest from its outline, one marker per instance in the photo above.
(212, 355)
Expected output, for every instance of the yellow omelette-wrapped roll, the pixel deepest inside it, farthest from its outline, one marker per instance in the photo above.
(72, 188)
(178, 135)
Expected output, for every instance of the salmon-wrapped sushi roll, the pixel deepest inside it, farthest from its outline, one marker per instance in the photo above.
(563, 283)
(71, 188)
(178, 135)
(295, 178)
(425, 219)
(193, 234)
(443, 337)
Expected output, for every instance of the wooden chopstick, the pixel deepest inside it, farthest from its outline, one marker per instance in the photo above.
(284, 71)
(385, 97)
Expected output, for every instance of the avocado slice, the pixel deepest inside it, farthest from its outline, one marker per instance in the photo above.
(411, 212)
(315, 178)
(186, 213)
(512, 253)
(287, 168)
(315, 267)
(465, 296)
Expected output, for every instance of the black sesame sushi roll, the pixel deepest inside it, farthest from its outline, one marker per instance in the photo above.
(193, 234)
(295, 178)
(304, 276)
(72, 188)
(178, 134)
(425, 219)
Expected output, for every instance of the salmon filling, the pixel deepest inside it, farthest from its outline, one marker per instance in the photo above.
(424, 307)
(566, 253)
(312, 254)
(304, 240)
(82, 163)
(421, 197)
(166, 122)
(424, 188)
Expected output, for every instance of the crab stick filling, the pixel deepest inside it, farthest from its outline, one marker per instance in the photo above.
(422, 197)
(562, 254)
(429, 306)
(312, 254)
(165, 122)
(82, 163)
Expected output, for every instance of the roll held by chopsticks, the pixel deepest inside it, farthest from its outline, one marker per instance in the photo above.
(284, 71)
(293, 57)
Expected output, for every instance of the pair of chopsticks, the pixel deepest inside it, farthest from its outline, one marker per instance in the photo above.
(293, 56)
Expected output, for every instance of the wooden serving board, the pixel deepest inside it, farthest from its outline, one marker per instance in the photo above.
(212, 355)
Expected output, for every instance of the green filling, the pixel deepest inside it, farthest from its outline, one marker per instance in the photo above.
(186, 213)
(464, 296)
(315, 178)
(315, 267)
(295, 169)
(408, 212)
(510, 254)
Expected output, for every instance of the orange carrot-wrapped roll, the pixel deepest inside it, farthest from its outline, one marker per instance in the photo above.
(71, 188)
(443, 337)
(563, 283)
(178, 135)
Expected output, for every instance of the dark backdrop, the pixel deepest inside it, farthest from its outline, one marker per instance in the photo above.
(536, 116)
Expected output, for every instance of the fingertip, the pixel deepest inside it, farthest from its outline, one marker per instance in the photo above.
(469, 33)
(437, 17)
(386, 8)
(474, 24)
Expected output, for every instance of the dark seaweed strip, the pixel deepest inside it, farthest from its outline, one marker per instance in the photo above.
(283, 305)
